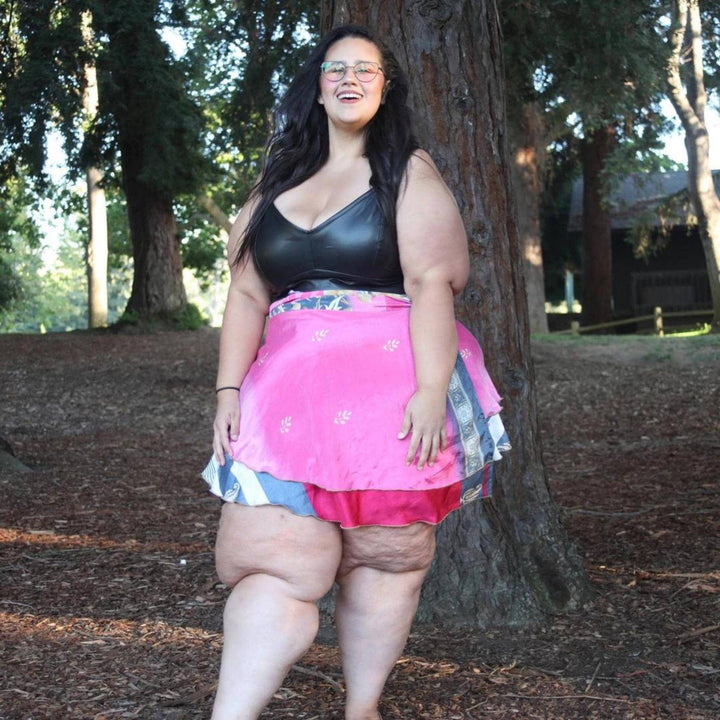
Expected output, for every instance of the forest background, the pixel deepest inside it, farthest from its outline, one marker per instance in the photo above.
(171, 142)
(165, 151)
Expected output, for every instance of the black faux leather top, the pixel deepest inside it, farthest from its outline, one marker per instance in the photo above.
(349, 250)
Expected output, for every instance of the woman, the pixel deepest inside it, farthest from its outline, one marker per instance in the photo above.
(341, 456)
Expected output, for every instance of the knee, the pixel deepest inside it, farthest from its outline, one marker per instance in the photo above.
(308, 583)
(228, 572)
(229, 563)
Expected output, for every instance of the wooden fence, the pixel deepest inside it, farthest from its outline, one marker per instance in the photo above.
(656, 318)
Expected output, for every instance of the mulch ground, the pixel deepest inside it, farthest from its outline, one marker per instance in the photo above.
(109, 607)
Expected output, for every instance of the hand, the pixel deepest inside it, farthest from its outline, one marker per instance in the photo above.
(227, 423)
(425, 416)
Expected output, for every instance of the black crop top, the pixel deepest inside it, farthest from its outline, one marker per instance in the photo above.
(349, 250)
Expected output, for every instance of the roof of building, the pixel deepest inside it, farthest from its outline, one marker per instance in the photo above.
(638, 196)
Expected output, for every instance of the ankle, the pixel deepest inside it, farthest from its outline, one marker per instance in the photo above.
(362, 714)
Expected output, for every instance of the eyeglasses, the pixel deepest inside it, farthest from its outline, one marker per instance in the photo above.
(365, 71)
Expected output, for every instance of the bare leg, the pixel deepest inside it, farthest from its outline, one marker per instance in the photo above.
(279, 564)
(380, 579)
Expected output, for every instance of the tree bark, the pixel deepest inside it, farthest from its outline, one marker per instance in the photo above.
(527, 136)
(97, 250)
(157, 289)
(686, 90)
(597, 231)
(97, 247)
(507, 561)
(153, 126)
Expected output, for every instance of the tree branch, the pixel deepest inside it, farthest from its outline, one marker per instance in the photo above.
(676, 92)
(220, 218)
(696, 72)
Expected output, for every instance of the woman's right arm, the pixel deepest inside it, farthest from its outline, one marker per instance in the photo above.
(242, 328)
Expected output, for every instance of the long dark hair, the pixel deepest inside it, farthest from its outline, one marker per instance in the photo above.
(299, 145)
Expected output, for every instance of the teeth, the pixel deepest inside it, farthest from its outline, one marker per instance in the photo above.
(350, 96)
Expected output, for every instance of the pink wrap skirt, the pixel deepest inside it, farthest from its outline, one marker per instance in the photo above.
(321, 408)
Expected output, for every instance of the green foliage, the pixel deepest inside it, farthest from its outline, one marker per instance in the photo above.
(648, 237)
(176, 123)
(588, 61)
(201, 245)
(190, 318)
(17, 203)
(41, 80)
(589, 64)
(242, 56)
(10, 288)
(47, 262)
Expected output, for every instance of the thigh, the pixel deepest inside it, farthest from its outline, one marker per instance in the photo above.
(303, 551)
(390, 549)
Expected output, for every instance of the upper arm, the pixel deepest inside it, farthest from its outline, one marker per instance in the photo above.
(244, 277)
(431, 235)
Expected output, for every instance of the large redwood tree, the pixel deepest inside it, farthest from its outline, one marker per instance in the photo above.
(509, 560)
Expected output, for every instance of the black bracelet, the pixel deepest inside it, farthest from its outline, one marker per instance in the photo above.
(227, 387)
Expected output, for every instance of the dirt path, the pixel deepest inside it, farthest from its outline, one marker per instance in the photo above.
(108, 602)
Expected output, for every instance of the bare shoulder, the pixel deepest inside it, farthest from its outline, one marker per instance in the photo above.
(239, 226)
(424, 184)
(421, 168)
(430, 231)
(244, 276)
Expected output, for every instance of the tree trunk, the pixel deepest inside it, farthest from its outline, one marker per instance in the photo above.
(507, 561)
(97, 247)
(97, 250)
(154, 124)
(597, 232)
(689, 103)
(157, 289)
(527, 154)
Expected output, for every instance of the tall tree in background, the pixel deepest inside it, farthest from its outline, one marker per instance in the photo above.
(508, 561)
(144, 116)
(596, 148)
(686, 90)
(588, 71)
(530, 131)
(157, 128)
(527, 145)
(97, 245)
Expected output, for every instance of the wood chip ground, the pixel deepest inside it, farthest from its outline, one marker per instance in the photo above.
(110, 609)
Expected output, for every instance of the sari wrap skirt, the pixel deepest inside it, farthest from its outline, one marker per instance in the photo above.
(321, 408)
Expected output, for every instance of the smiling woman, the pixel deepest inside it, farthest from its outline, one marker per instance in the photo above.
(352, 248)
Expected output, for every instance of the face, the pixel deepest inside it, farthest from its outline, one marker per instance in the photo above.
(350, 103)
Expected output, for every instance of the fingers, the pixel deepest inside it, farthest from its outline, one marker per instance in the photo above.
(225, 430)
(429, 446)
(415, 440)
(426, 446)
(220, 443)
(406, 425)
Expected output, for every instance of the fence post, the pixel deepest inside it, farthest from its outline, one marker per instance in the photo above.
(657, 313)
(569, 290)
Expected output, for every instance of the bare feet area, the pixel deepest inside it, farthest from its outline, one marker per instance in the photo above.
(109, 606)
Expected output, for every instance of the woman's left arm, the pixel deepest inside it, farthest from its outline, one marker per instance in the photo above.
(434, 258)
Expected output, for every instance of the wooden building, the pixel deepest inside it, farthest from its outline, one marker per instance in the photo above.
(656, 206)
